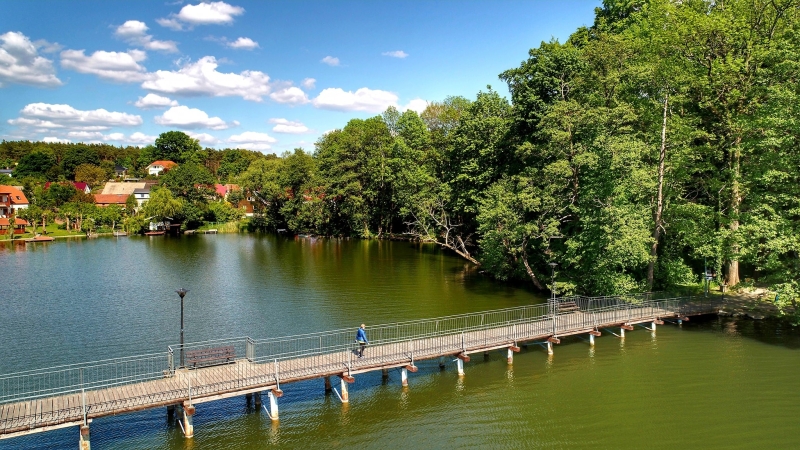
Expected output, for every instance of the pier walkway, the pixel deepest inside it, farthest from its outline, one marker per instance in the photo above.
(73, 395)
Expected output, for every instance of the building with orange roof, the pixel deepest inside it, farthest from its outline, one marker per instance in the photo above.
(11, 200)
(18, 227)
(110, 199)
(156, 167)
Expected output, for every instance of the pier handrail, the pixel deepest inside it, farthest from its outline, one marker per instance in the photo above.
(71, 378)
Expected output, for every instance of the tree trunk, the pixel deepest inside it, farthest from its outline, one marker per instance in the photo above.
(736, 201)
(528, 269)
(659, 200)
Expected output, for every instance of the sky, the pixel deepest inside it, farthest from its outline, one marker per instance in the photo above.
(262, 75)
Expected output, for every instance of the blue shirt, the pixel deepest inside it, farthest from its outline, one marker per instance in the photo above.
(361, 335)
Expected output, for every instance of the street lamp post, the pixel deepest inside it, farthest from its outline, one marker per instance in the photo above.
(553, 295)
(182, 292)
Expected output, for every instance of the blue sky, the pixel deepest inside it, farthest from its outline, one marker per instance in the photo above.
(269, 76)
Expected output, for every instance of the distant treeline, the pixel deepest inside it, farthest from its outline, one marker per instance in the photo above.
(662, 138)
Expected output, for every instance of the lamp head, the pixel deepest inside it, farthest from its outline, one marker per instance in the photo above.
(182, 292)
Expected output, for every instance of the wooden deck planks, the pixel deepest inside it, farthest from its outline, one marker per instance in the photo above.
(244, 375)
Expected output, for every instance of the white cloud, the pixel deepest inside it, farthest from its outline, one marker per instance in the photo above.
(20, 62)
(151, 101)
(287, 126)
(115, 66)
(170, 23)
(205, 13)
(131, 29)
(330, 60)
(417, 105)
(185, 117)
(202, 78)
(396, 54)
(134, 32)
(55, 139)
(364, 99)
(114, 137)
(141, 138)
(38, 123)
(252, 140)
(243, 43)
(47, 47)
(291, 95)
(61, 116)
(204, 138)
(308, 83)
(85, 135)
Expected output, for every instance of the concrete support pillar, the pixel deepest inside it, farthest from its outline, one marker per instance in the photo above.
(654, 325)
(327, 384)
(248, 398)
(385, 374)
(680, 321)
(404, 376)
(460, 365)
(591, 339)
(622, 332)
(84, 438)
(170, 411)
(510, 356)
(258, 400)
(441, 362)
(273, 405)
(549, 348)
(188, 425)
(485, 355)
(345, 395)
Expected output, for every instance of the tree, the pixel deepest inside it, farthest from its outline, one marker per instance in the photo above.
(162, 205)
(189, 181)
(77, 155)
(90, 174)
(33, 214)
(34, 164)
(175, 146)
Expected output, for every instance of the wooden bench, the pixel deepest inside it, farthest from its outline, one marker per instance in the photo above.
(210, 356)
(568, 307)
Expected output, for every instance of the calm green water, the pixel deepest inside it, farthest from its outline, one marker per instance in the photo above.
(708, 384)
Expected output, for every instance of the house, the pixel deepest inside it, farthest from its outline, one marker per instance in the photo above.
(156, 167)
(221, 190)
(246, 203)
(83, 187)
(142, 195)
(17, 228)
(121, 171)
(104, 200)
(11, 200)
(125, 188)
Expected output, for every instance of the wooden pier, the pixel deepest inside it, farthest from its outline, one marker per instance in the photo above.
(37, 401)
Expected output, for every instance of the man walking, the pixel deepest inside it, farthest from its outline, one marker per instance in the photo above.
(361, 338)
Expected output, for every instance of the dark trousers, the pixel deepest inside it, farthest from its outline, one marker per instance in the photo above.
(361, 345)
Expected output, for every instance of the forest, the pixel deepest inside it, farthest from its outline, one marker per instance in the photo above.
(659, 140)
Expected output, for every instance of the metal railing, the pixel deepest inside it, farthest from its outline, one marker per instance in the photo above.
(261, 361)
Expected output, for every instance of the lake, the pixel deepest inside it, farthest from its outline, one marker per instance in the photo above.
(710, 383)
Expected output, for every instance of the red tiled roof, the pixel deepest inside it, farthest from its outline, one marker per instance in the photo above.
(17, 197)
(109, 199)
(79, 186)
(221, 190)
(17, 221)
(164, 164)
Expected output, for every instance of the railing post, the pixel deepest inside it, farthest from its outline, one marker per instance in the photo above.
(250, 351)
